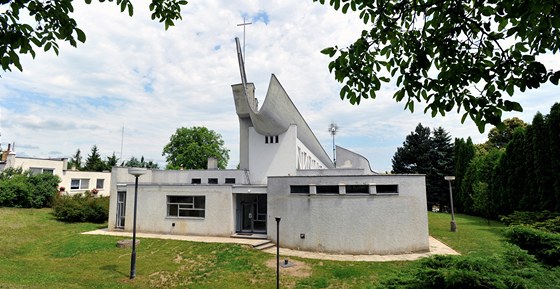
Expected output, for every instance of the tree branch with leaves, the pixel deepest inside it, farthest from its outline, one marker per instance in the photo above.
(449, 55)
(50, 22)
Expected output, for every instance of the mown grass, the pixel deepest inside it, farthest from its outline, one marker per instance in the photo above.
(39, 252)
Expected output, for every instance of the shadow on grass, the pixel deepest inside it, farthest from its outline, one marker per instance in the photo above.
(113, 269)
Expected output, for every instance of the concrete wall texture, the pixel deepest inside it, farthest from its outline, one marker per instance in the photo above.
(351, 224)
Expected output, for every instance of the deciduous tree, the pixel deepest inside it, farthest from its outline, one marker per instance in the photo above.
(190, 148)
(471, 56)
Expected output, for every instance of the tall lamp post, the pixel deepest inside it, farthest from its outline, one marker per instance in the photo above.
(278, 252)
(453, 224)
(136, 172)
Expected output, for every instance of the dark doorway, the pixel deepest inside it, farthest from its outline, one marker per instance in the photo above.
(251, 213)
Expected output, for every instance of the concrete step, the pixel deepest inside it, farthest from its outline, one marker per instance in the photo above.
(264, 245)
(249, 236)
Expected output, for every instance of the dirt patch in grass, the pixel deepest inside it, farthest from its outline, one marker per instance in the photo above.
(300, 269)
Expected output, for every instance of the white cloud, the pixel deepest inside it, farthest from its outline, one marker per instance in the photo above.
(133, 73)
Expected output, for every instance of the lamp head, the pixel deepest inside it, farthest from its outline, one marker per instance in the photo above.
(137, 171)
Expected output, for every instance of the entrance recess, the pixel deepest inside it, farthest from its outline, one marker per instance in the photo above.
(251, 213)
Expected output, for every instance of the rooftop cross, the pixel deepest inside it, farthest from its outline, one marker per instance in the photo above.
(244, 24)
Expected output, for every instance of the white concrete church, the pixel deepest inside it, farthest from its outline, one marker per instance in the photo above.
(284, 172)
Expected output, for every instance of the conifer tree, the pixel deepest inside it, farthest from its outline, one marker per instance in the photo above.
(94, 161)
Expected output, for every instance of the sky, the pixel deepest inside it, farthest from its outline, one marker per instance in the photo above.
(132, 73)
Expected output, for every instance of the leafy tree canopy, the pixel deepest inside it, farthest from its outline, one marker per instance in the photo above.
(134, 162)
(499, 137)
(449, 54)
(190, 148)
(49, 22)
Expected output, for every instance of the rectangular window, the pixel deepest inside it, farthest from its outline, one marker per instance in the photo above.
(276, 139)
(327, 189)
(230, 180)
(387, 189)
(195, 181)
(357, 189)
(212, 181)
(36, 171)
(266, 139)
(99, 184)
(186, 206)
(298, 189)
(79, 184)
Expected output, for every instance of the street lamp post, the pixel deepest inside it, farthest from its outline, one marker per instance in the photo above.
(278, 252)
(136, 172)
(453, 224)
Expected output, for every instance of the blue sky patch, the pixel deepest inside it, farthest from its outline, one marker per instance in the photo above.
(261, 16)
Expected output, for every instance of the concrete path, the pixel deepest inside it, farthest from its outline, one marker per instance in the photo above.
(436, 247)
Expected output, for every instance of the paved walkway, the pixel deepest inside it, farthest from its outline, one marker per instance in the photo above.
(436, 247)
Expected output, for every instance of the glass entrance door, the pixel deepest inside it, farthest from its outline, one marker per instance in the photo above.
(252, 212)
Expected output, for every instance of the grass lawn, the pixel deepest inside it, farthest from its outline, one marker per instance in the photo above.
(37, 251)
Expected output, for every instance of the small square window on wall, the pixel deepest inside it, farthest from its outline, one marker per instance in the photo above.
(196, 181)
(212, 181)
(230, 181)
(387, 189)
(100, 183)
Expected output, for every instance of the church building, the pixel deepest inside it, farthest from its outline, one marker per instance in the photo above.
(283, 172)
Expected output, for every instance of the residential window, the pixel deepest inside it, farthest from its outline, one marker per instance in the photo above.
(186, 206)
(196, 181)
(100, 183)
(79, 184)
(299, 189)
(212, 181)
(387, 189)
(230, 181)
(327, 189)
(357, 189)
(37, 171)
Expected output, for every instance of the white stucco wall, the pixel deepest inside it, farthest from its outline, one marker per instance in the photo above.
(152, 210)
(67, 176)
(272, 159)
(28, 163)
(156, 185)
(350, 223)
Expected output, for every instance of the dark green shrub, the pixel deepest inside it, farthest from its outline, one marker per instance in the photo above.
(550, 225)
(544, 245)
(81, 208)
(514, 269)
(20, 188)
(528, 218)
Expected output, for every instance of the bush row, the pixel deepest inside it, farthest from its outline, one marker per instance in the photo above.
(528, 218)
(81, 208)
(514, 269)
(544, 245)
(19, 188)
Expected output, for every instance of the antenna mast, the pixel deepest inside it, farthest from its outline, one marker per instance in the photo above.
(333, 128)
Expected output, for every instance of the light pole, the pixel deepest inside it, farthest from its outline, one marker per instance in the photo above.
(453, 224)
(278, 252)
(136, 172)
